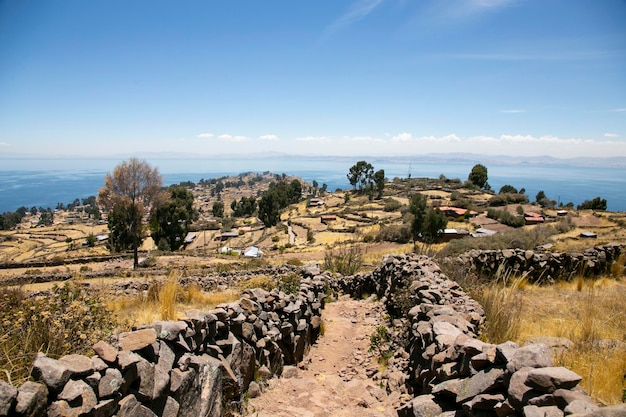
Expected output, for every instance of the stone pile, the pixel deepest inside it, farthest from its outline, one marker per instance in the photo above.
(199, 365)
(543, 266)
(451, 372)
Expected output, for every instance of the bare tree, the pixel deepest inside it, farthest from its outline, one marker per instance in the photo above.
(127, 193)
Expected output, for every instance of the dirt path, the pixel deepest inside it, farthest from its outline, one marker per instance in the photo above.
(333, 379)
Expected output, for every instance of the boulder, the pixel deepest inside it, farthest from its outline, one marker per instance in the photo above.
(51, 372)
(422, 406)
(79, 365)
(552, 378)
(8, 395)
(32, 399)
(137, 340)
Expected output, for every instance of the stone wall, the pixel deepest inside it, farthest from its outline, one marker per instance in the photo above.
(543, 266)
(199, 365)
(449, 371)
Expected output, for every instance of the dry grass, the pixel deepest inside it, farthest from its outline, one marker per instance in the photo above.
(590, 313)
(168, 301)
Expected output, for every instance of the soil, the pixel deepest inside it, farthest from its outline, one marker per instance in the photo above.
(333, 378)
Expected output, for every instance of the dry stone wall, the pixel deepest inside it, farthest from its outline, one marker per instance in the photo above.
(544, 266)
(200, 365)
(449, 371)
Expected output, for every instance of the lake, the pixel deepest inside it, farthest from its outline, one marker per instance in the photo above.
(46, 182)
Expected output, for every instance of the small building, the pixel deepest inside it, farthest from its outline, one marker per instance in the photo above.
(452, 234)
(189, 238)
(226, 235)
(456, 212)
(588, 235)
(533, 218)
(482, 232)
(316, 202)
(327, 218)
(252, 252)
(562, 213)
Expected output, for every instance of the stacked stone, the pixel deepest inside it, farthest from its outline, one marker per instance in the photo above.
(453, 373)
(199, 365)
(543, 266)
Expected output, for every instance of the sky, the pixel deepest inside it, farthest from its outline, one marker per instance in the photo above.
(324, 77)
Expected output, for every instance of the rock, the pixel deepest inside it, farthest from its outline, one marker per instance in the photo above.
(422, 406)
(137, 340)
(484, 381)
(169, 330)
(534, 411)
(552, 378)
(110, 383)
(171, 408)
(130, 407)
(51, 372)
(254, 390)
(580, 407)
(564, 397)
(76, 399)
(532, 356)
(483, 402)
(8, 395)
(105, 408)
(79, 365)
(105, 351)
(519, 392)
(32, 399)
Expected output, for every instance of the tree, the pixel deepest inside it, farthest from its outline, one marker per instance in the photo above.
(218, 209)
(478, 175)
(269, 210)
(379, 181)
(540, 196)
(434, 224)
(417, 207)
(360, 175)
(127, 192)
(171, 218)
(595, 204)
(507, 189)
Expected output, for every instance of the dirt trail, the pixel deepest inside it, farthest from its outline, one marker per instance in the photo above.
(332, 380)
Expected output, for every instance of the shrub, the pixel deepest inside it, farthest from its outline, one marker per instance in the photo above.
(565, 224)
(394, 233)
(392, 204)
(504, 199)
(68, 320)
(345, 259)
(506, 218)
(595, 204)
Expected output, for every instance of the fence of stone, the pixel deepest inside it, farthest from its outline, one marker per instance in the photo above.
(450, 372)
(542, 265)
(200, 365)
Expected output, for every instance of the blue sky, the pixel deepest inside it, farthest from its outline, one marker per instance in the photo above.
(360, 77)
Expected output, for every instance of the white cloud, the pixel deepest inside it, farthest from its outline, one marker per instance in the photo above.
(314, 139)
(230, 138)
(622, 110)
(402, 137)
(364, 139)
(611, 135)
(4, 144)
(205, 135)
(513, 111)
(268, 137)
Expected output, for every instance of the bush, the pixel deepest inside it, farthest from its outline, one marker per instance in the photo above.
(392, 204)
(394, 233)
(504, 199)
(506, 218)
(68, 320)
(345, 259)
(565, 224)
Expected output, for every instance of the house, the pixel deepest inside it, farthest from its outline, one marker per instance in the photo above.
(456, 212)
(533, 218)
(482, 232)
(189, 238)
(588, 235)
(451, 234)
(227, 250)
(315, 202)
(562, 213)
(252, 252)
(226, 235)
(327, 218)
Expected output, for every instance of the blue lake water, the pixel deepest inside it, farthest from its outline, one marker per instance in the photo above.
(44, 183)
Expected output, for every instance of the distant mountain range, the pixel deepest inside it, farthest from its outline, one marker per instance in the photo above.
(613, 162)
